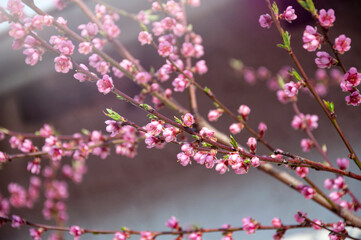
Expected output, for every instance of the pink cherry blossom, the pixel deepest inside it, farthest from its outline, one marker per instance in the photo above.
(252, 144)
(195, 236)
(34, 167)
(17, 31)
(338, 183)
(120, 236)
(3, 157)
(262, 128)
(172, 223)
(213, 115)
(255, 162)
(180, 83)
(326, 19)
(306, 191)
(328, 183)
(206, 133)
(352, 78)
(165, 49)
(276, 222)
(143, 77)
(249, 225)
(35, 233)
(32, 56)
(316, 226)
(85, 48)
(194, 3)
(17, 195)
(188, 119)
(81, 76)
(76, 231)
(88, 30)
(306, 144)
(170, 134)
(16, 221)
(201, 67)
(63, 64)
(105, 85)
(354, 99)
(221, 166)
(145, 37)
(265, 20)
(324, 60)
(291, 89)
(111, 29)
(59, 4)
(235, 128)
(302, 171)
(48, 20)
(154, 127)
(146, 235)
(305, 121)
(342, 44)
(244, 110)
(37, 22)
(289, 14)
(15, 7)
(299, 216)
(143, 17)
(343, 163)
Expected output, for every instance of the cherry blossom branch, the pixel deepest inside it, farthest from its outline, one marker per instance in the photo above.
(332, 117)
(175, 232)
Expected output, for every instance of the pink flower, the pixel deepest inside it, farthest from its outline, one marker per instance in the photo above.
(34, 167)
(342, 44)
(262, 128)
(111, 29)
(85, 48)
(37, 22)
(81, 76)
(338, 183)
(120, 236)
(154, 127)
(3, 157)
(252, 144)
(14, 142)
(63, 64)
(354, 99)
(76, 231)
(59, 4)
(88, 30)
(265, 20)
(328, 183)
(306, 144)
(306, 191)
(352, 78)
(299, 216)
(35, 233)
(213, 115)
(172, 223)
(302, 171)
(221, 166)
(255, 161)
(235, 128)
(302, 122)
(249, 225)
(194, 3)
(326, 19)
(276, 222)
(180, 83)
(324, 60)
(291, 89)
(146, 235)
(206, 133)
(17, 31)
(195, 236)
(288, 14)
(188, 49)
(15, 7)
(48, 20)
(188, 119)
(244, 110)
(145, 37)
(16, 221)
(46, 130)
(343, 163)
(32, 56)
(201, 67)
(143, 17)
(105, 85)
(165, 49)
(318, 222)
(168, 23)
(143, 77)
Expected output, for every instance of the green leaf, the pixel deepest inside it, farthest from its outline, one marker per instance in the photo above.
(286, 40)
(124, 229)
(225, 157)
(195, 137)
(114, 115)
(240, 118)
(275, 8)
(296, 75)
(233, 142)
(303, 4)
(37, 133)
(216, 104)
(178, 120)
(85, 131)
(281, 46)
(330, 106)
(236, 64)
(207, 145)
(143, 27)
(311, 7)
(145, 106)
(280, 81)
(247, 160)
(119, 97)
(151, 116)
(207, 90)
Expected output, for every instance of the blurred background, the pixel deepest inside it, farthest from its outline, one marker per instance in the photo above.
(142, 193)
